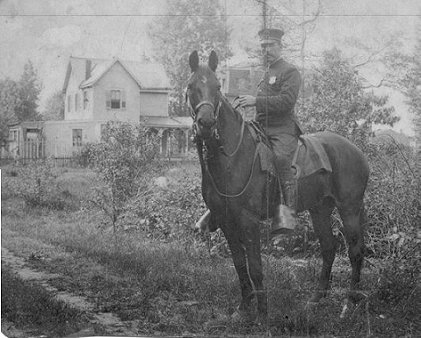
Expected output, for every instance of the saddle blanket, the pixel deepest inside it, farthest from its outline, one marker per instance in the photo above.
(309, 157)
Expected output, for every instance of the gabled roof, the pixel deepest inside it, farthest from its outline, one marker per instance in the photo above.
(148, 76)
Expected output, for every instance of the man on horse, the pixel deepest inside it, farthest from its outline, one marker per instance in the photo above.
(275, 100)
(276, 96)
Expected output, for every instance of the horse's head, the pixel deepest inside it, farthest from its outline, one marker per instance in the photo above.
(203, 94)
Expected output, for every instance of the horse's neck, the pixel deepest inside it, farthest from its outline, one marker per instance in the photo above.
(229, 127)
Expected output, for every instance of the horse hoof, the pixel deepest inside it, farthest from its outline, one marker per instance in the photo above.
(261, 320)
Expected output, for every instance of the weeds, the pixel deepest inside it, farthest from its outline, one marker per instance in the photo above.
(156, 270)
(26, 304)
(36, 183)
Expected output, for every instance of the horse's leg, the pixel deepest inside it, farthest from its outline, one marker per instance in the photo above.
(238, 253)
(322, 227)
(254, 260)
(353, 218)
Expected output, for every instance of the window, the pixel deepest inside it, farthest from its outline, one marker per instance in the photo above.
(69, 103)
(77, 137)
(85, 99)
(13, 135)
(116, 99)
(76, 102)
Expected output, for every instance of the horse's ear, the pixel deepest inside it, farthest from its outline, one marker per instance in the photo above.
(213, 61)
(194, 61)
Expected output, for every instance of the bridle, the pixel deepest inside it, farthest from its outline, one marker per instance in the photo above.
(200, 143)
(216, 112)
(194, 111)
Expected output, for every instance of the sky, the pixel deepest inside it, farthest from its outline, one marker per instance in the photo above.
(48, 32)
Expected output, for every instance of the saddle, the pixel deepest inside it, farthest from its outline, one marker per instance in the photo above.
(309, 157)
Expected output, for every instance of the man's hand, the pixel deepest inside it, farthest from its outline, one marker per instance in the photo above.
(247, 101)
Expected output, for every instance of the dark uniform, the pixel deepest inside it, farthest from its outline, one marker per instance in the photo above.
(276, 96)
(275, 100)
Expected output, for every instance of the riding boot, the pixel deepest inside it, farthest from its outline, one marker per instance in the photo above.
(205, 224)
(285, 218)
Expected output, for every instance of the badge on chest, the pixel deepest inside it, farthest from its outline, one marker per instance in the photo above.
(272, 80)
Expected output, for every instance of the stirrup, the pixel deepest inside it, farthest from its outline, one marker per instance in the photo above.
(284, 221)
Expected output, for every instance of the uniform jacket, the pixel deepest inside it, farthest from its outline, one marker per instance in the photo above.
(276, 95)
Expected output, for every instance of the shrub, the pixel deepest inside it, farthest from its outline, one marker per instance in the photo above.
(392, 200)
(36, 183)
(169, 212)
(398, 295)
(124, 155)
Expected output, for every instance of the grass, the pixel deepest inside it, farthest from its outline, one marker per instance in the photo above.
(28, 305)
(176, 287)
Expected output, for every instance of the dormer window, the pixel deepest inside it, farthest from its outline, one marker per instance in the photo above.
(116, 99)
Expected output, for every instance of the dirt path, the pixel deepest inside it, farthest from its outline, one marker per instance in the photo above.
(108, 322)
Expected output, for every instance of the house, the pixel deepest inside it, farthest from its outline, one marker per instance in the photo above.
(241, 80)
(26, 140)
(97, 91)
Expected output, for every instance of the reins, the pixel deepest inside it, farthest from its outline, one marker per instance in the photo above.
(221, 149)
(231, 195)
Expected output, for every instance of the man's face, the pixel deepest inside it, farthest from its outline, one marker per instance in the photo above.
(270, 51)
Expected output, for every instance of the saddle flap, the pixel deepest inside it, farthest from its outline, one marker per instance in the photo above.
(311, 156)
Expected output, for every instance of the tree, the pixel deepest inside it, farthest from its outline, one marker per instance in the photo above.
(336, 100)
(54, 107)
(405, 75)
(30, 88)
(18, 99)
(10, 103)
(189, 25)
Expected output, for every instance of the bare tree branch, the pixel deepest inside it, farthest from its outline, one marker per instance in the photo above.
(371, 57)
(381, 83)
(314, 18)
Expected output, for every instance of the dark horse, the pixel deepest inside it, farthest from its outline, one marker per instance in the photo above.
(239, 194)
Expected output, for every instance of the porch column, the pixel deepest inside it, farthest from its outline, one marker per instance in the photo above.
(160, 132)
(168, 142)
(187, 140)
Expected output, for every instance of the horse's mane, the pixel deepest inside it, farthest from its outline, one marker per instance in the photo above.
(236, 113)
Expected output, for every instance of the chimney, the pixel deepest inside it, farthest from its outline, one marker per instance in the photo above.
(88, 69)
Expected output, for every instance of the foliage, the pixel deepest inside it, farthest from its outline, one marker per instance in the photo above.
(392, 201)
(338, 102)
(173, 286)
(169, 211)
(18, 99)
(405, 76)
(121, 159)
(30, 88)
(405, 72)
(36, 183)
(54, 107)
(189, 26)
(10, 101)
(399, 285)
